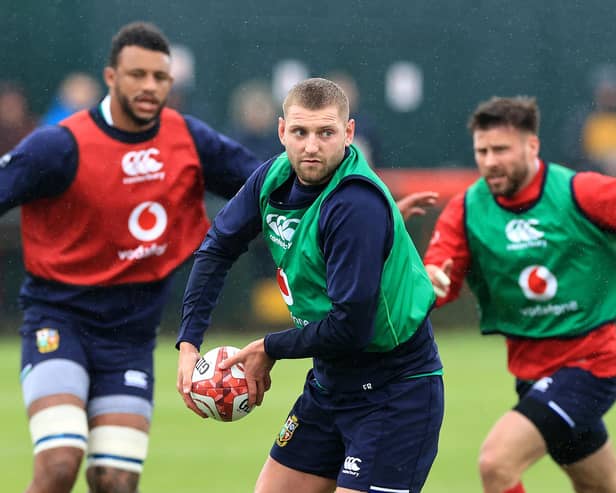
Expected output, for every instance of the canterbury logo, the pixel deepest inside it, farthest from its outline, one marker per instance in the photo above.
(283, 227)
(522, 230)
(141, 166)
(543, 384)
(352, 465)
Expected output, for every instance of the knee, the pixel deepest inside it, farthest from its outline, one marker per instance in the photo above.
(102, 479)
(56, 469)
(495, 475)
(115, 458)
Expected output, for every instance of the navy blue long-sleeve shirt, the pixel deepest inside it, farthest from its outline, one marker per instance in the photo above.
(45, 164)
(354, 264)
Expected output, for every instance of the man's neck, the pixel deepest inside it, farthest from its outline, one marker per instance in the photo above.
(105, 110)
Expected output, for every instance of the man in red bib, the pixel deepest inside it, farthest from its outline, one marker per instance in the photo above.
(537, 245)
(112, 204)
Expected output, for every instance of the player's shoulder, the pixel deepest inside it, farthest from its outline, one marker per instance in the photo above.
(196, 125)
(589, 179)
(206, 137)
(49, 138)
(356, 196)
(457, 200)
(359, 189)
(51, 132)
(454, 209)
(594, 193)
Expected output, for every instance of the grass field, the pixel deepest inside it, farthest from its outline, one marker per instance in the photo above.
(188, 455)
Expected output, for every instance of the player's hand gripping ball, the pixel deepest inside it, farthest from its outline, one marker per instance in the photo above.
(220, 394)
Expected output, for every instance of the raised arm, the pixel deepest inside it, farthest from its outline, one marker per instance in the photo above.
(415, 204)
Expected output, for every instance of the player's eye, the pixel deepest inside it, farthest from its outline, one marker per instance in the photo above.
(162, 76)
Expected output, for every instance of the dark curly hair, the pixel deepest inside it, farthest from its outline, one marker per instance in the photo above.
(142, 34)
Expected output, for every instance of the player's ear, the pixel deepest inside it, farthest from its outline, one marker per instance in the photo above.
(537, 145)
(281, 128)
(109, 74)
(349, 132)
(533, 144)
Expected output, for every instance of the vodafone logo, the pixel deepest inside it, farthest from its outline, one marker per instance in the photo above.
(538, 283)
(283, 285)
(142, 166)
(147, 221)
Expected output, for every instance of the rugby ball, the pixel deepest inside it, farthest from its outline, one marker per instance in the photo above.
(221, 394)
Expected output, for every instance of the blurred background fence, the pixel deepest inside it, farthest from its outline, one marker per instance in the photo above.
(416, 69)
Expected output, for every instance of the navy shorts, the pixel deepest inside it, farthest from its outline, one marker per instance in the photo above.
(379, 440)
(567, 408)
(86, 362)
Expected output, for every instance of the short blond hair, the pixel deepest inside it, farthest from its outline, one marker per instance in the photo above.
(317, 93)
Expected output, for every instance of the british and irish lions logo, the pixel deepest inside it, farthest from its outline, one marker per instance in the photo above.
(538, 283)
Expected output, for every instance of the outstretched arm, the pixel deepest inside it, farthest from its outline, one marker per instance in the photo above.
(415, 204)
(231, 232)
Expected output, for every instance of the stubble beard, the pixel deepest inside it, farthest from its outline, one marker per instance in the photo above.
(513, 185)
(136, 119)
(314, 177)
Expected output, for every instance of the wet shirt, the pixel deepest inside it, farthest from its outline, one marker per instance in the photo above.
(354, 264)
(45, 165)
(530, 359)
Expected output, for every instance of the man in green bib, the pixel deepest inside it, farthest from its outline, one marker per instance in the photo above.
(537, 244)
(358, 295)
